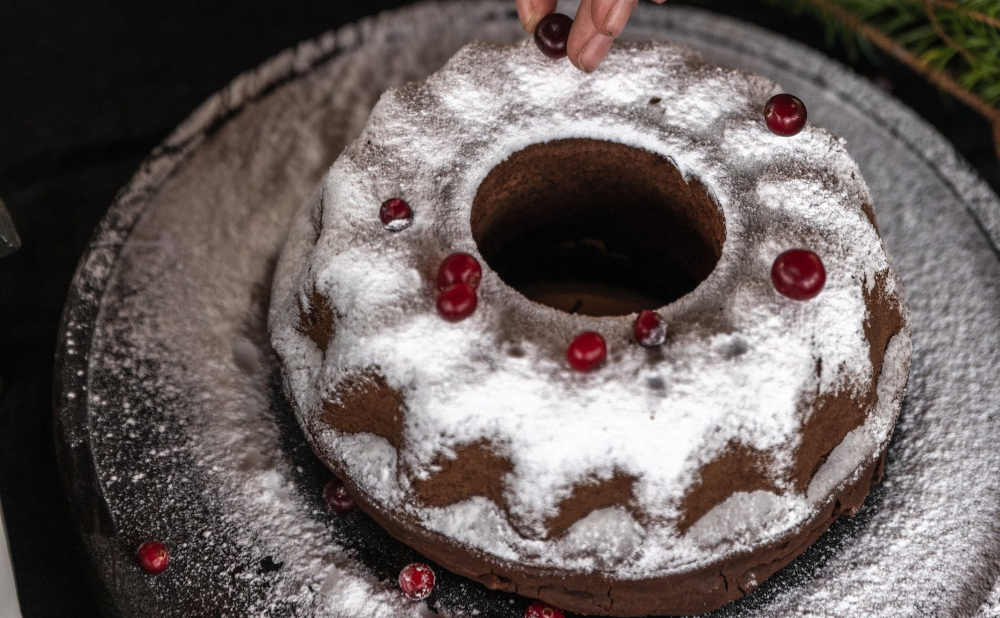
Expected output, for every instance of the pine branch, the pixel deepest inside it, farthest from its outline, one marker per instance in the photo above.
(954, 44)
(976, 15)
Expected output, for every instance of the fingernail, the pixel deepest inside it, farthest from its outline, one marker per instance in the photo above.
(618, 17)
(594, 52)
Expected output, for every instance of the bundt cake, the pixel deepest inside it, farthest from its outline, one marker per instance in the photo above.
(613, 341)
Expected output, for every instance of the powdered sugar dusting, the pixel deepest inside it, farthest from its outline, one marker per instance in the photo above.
(561, 430)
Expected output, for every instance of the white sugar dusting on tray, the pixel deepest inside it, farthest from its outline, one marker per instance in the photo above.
(560, 430)
(927, 547)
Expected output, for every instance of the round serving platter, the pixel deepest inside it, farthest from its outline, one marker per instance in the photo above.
(170, 422)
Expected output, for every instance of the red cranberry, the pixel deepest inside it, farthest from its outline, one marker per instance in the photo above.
(396, 215)
(649, 329)
(417, 581)
(459, 268)
(457, 302)
(587, 352)
(153, 557)
(552, 34)
(785, 114)
(336, 497)
(798, 274)
(542, 610)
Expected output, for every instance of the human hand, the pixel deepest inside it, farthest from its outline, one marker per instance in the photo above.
(597, 24)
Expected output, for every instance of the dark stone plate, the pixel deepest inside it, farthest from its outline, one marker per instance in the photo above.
(171, 424)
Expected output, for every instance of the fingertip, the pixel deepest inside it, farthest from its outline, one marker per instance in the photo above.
(594, 53)
(587, 45)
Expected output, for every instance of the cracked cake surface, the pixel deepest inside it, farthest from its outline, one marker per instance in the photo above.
(669, 480)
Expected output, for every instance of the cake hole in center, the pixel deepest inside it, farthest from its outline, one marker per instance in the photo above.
(596, 227)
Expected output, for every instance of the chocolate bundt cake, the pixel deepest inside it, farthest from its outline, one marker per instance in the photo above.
(603, 340)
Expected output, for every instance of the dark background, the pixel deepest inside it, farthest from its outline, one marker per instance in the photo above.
(87, 89)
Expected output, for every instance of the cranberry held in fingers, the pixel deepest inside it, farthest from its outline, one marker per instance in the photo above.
(542, 610)
(395, 214)
(552, 34)
(153, 557)
(417, 581)
(457, 302)
(459, 268)
(649, 330)
(785, 115)
(336, 497)
(587, 352)
(798, 274)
